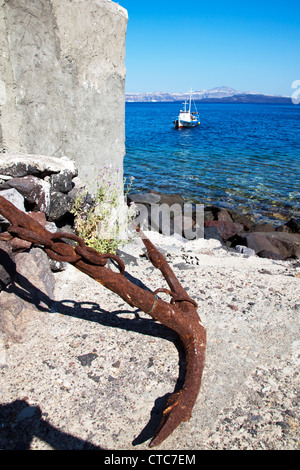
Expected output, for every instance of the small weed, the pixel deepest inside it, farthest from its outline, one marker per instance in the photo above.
(103, 222)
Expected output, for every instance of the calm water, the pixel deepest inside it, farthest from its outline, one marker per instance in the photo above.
(242, 156)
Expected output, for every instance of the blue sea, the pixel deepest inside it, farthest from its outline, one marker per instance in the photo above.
(242, 156)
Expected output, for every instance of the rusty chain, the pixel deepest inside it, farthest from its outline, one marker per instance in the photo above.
(180, 314)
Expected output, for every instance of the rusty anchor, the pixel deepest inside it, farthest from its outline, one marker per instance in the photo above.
(179, 315)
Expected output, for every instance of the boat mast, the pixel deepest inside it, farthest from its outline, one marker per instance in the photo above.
(190, 101)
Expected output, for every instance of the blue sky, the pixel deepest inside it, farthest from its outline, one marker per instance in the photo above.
(176, 45)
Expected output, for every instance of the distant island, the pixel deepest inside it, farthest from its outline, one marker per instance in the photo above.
(221, 94)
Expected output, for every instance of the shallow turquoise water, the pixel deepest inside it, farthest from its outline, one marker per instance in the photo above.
(242, 156)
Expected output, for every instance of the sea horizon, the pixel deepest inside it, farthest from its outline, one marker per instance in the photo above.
(222, 94)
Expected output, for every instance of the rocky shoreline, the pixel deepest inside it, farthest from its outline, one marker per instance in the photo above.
(46, 188)
(80, 369)
(232, 229)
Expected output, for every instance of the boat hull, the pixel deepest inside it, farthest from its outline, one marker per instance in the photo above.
(179, 124)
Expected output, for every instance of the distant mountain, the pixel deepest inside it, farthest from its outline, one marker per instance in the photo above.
(221, 94)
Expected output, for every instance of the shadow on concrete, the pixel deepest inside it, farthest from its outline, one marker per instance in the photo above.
(20, 423)
(91, 311)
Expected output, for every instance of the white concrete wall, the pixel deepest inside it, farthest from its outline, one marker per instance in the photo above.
(62, 80)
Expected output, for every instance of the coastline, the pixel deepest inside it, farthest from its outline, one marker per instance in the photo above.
(234, 230)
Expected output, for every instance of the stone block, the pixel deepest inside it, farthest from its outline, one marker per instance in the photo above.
(34, 190)
(62, 71)
(13, 196)
(283, 245)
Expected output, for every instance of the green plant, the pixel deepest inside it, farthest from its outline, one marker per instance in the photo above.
(104, 222)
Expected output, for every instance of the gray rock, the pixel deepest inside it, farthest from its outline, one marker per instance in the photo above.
(55, 266)
(13, 196)
(60, 205)
(51, 227)
(4, 185)
(226, 230)
(147, 198)
(281, 244)
(35, 276)
(59, 95)
(294, 225)
(7, 264)
(27, 413)
(264, 227)
(244, 250)
(126, 257)
(87, 359)
(35, 282)
(270, 255)
(18, 165)
(5, 177)
(246, 220)
(223, 214)
(62, 181)
(183, 266)
(34, 190)
(169, 199)
(212, 233)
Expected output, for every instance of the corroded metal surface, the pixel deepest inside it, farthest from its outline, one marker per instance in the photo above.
(180, 314)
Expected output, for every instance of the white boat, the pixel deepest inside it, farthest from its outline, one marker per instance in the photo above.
(186, 117)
